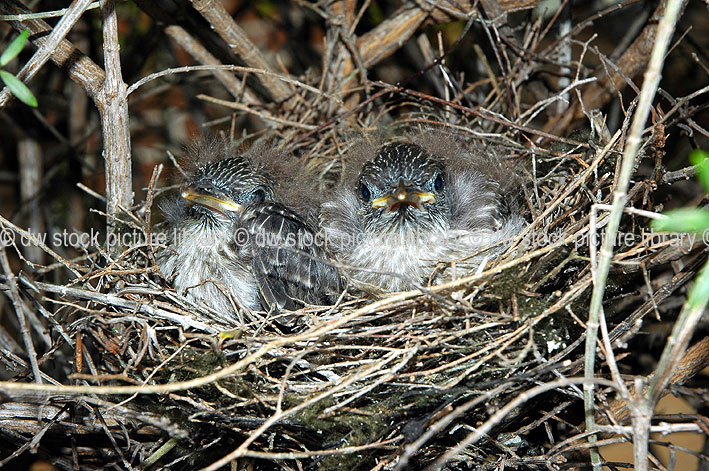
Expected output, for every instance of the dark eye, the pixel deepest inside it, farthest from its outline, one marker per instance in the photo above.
(258, 196)
(438, 183)
(364, 192)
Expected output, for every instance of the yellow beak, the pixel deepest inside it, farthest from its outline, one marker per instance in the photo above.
(403, 195)
(212, 202)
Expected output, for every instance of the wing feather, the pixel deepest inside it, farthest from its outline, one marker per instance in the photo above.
(290, 268)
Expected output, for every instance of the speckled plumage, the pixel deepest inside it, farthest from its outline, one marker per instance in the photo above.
(203, 261)
(463, 210)
(225, 259)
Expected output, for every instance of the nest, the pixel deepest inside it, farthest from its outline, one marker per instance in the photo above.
(471, 373)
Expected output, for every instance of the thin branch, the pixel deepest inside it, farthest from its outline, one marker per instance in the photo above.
(81, 69)
(193, 68)
(214, 12)
(186, 322)
(114, 120)
(388, 37)
(682, 331)
(30, 159)
(650, 84)
(502, 412)
(204, 57)
(20, 307)
(42, 55)
(630, 64)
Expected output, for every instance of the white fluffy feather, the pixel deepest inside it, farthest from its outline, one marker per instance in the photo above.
(200, 274)
(481, 215)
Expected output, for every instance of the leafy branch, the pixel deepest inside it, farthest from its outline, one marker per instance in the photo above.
(15, 85)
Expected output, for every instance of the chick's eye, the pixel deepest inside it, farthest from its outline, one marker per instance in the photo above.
(438, 183)
(364, 192)
(258, 196)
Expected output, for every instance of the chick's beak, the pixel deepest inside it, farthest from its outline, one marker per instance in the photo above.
(403, 195)
(221, 205)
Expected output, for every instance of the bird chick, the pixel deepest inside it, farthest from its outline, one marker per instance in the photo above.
(412, 205)
(235, 242)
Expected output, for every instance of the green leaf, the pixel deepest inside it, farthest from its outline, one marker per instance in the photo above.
(18, 88)
(266, 8)
(699, 292)
(376, 15)
(14, 48)
(683, 220)
(699, 159)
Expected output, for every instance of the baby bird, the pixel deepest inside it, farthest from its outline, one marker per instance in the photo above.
(235, 243)
(414, 204)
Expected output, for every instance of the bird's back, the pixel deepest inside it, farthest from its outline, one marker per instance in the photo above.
(290, 265)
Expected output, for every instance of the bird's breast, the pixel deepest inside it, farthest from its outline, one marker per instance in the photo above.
(411, 257)
(207, 267)
(400, 261)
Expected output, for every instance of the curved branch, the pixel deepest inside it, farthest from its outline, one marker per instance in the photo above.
(78, 66)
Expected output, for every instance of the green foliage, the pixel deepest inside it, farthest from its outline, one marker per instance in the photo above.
(699, 159)
(15, 85)
(699, 292)
(695, 220)
(267, 8)
(692, 220)
(18, 88)
(376, 14)
(14, 48)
